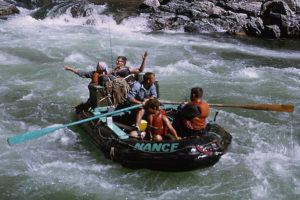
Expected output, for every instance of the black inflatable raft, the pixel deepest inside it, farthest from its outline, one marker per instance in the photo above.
(110, 134)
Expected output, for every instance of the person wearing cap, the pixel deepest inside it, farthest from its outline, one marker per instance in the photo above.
(99, 76)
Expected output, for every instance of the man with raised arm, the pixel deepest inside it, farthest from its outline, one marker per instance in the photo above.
(127, 72)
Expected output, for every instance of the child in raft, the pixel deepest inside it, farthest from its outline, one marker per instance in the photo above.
(158, 123)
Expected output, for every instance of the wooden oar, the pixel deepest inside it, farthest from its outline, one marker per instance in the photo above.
(38, 133)
(267, 107)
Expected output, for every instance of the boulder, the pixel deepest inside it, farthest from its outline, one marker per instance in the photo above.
(271, 31)
(272, 10)
(148, 6)
(152, 3)
(7, 9)
(42, 3)
(278, 12)
(81, 9)
(216, 12)
(254, 27)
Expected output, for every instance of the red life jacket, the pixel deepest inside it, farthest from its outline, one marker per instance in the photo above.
(95, 77)
(199, 122)
(156, 124)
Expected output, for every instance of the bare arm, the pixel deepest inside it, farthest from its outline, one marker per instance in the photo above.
(170, 127)
(148, 130)
(133, 100)
(142, 67)
(71, 69)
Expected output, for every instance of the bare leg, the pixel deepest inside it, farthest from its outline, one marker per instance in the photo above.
(157, 138)
(133, 133)
(139, 117)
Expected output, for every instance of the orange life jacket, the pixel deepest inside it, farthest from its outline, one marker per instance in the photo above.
(95, 77)
(199, 122)
(156, 124)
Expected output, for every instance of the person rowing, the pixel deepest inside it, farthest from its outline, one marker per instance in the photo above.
(191, 120)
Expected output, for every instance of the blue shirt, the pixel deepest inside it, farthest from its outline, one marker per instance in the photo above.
(139, 92)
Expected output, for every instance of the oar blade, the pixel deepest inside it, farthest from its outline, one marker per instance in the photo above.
(274, 107)
(287, 108)
(31, 135)
(270, 107)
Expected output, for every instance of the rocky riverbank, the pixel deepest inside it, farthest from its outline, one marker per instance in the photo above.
(268, 19)
(258, 18)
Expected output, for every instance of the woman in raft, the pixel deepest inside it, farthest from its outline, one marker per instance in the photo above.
(98, 77)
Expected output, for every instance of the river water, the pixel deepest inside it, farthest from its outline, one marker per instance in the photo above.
(263, 161)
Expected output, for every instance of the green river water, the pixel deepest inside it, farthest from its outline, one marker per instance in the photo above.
(263, 161)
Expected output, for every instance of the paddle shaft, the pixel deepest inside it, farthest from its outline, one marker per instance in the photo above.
(267, 107)
(38, 133)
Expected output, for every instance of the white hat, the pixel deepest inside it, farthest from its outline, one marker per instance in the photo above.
(103, 66)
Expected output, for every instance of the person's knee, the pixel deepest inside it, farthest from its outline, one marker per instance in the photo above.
(157, 138)
(133, 133)
(137, 134)
(142, 112)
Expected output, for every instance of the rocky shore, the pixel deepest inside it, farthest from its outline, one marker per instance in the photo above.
(268, 19)
(257, 18)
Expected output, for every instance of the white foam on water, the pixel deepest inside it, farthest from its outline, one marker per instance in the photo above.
(75, 57)
(296, 151)
(74, 173)
(182, 68)
(229, 159)
(170, 194)
(129, 25)
(167, 70)
(8, 59)
(210, 63)
(267, 166)
(296, 181)
(260, 191)
(292, 70)
(136, 24)
(67, 19)
(251, 73)
(69, 166)
(95, 19)
(21, 82)
(4, 89)
(247, 49)
(27, 97)
(64, 136)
